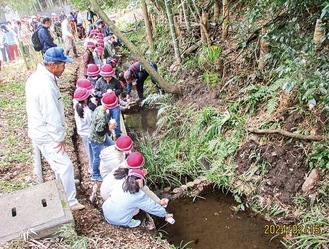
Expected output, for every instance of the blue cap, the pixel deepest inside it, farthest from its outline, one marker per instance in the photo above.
(70, 17)
(56, 54)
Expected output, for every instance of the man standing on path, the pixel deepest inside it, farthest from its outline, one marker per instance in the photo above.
(46, 121)
(68, 37)
(44, 35)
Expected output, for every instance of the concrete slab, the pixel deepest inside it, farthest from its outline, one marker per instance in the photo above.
(38, 211)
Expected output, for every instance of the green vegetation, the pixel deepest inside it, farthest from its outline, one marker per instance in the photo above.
(194, 141)
(14, 150)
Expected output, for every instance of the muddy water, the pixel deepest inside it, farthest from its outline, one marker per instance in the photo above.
(140, 120)
(205, 223)
(210, 224)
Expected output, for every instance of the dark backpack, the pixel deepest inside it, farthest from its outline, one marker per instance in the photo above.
(37, 45)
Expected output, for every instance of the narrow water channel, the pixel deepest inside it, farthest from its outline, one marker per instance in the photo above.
(141, 120)
(207, 222)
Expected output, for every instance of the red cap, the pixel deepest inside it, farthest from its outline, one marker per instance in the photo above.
(135, 160)
(136, 172)
(107, 71)
(114, 60)
(81, 94)
(124, 143)
(90, 44)
(92, 70)
(100, 42)
(109, 100)
(84, 83)
(100, 49)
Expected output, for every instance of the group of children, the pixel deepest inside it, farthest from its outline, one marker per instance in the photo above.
(123, 189)
(99, 49)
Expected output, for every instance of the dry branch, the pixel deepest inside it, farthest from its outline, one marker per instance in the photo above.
(286, 133)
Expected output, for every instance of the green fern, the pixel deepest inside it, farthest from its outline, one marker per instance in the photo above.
(271, 104)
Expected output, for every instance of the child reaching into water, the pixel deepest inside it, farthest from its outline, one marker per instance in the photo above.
(134, 161)
(126, 198)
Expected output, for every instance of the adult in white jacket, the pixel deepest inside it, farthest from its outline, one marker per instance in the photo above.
(46, 120)
(68, 36)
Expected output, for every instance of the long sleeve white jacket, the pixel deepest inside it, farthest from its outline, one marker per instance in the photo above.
(66, 29)
(44, 106)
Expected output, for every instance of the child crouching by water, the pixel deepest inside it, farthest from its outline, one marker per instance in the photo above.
(126, 198)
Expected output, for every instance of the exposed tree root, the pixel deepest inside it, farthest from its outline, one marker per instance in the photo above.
(286, 133)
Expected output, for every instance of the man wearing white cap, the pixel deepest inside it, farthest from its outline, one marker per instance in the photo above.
(46, 120)
(68, 37)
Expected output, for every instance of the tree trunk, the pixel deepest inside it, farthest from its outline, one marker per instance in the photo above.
(203, 19)
(172, 30)
(318, 32)
(216, 11)
(169, 88)
(226, 19)
(159, 6)
(177, 27)
(181, 15)
(205, 22)
(186, 17)
(153, 22)
(147, 24)
(264, 50)
(40, 6)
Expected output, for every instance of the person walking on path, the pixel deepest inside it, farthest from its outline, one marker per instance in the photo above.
(4, 44)
(44, 35)
(68, 37)
(99, 128)
(11, 40)
(46, 120)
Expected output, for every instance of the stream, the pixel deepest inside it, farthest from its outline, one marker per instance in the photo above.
(207, 221)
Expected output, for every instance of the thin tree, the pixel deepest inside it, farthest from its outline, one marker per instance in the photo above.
(40, 5)
(172, 31)
(226, 19)
(186, 17)
(264, 50)
(216, 11)
(169, 88)
(147, 23)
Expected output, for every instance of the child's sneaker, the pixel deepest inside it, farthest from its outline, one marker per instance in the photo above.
(134, 223)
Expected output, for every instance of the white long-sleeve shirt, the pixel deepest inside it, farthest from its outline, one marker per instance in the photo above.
(119, 207)
(44, 106)
(66, 29)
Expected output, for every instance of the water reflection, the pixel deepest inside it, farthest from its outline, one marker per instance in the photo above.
(210, 223)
